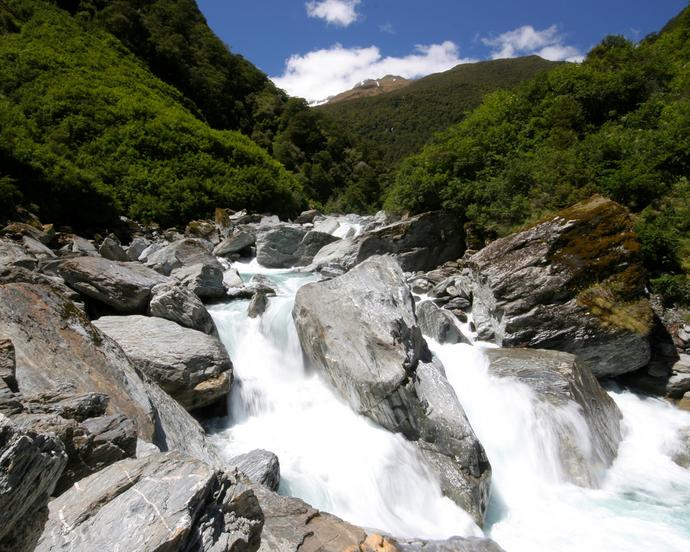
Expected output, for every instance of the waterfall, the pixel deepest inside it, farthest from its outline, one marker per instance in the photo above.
(343, 463)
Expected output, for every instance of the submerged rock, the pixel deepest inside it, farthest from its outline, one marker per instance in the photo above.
(574, 283)
(360, 330)
(191, 366)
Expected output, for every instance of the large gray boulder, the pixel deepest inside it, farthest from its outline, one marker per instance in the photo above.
(111, 249)
(13, 255)
(160, 502)
(122, 286)
(184, 252)
(284, 245)
(360, 331)
(191, 366)
(439, 324)
(56, 345)
(236, 244)
(558, 381)
(205, 280)
(260, 466)
(573, 283)
(174, 302)
(418, 243)
(30, 465)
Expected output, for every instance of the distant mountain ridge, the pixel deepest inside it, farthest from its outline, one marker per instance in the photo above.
(371, 87)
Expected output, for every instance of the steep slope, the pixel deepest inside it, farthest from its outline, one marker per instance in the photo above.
(402, 121)
(371, 87)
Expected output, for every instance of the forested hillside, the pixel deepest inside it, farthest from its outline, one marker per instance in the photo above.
(617, 124)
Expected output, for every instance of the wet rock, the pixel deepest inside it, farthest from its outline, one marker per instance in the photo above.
(205, 280)
(180, 504)
(439, 324)
(121, 286)
(284, 246)
(178, 304)
(232, 278)
(258, 304)
(184, 252)
(260, 466)
(8, 364)
(360, 331)
(238, 243)
(574, 283)
(111, 249)
(560, 380)
(191, 366)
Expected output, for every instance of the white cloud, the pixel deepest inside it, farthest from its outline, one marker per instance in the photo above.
(526, 40)
(336, 12)
(320, 74)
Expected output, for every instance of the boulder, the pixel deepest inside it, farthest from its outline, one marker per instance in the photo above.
(8, 365)
(573, 283)
(136, 248)
(260, 466)
(236, 244)
(558, 381)
(205, 280)
(111, 249)
(150, 250)
(20, 229)
(178, 304)
(232, 278)
(160, 502)
(81, 246)
(204, 229)
(284, 246)
(184, 252)
(360, 331)
(307, 217)
(421, 242)
(56, 344)
(30, 465)
(191, 366)
(12, 254)
(439, 324)
(35, 248)
(122, 286)
(257, 306)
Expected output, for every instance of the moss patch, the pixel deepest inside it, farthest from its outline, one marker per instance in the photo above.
(606, 306)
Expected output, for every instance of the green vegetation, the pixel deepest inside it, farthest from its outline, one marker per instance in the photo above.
(617, 124)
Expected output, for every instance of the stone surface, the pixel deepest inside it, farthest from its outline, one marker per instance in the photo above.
(122, 286)
(21, 229)
(82, 246)
(111, 249)
(284, 245)
(136, 248)
(12, 254)
(237, 243)
(559, 380)
(360, 331)
(8, 365)
(306, 217)
(421, 242)
(204, 229)
(160, 502)
(454, 544)
(574, 283)
(30, 465)
(184, 252)
(439, 324)
(257, 306)
(56, 344)
(37, 249)
(178, 304)
(205, 280)
(260, 466)
(191, 366)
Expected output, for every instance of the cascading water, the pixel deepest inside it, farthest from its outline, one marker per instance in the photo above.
(346, 465)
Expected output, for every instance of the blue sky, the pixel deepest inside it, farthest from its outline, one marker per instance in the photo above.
(318, 48)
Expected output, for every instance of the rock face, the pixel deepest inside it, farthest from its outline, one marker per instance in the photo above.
(284, 246)
(558, 380)
(260, 466)
(374, 354)
(178, 304)
(124, 287)
(574, 283)
(192, 367)
(56, 344)
(418, 243)
(439, 324)
(160, 502)
(30, 465)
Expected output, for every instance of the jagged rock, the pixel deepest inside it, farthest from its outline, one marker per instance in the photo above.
(12, 254)
(360, 331)
(418, 243)
(574, 283)
(65, 403)
(307, 217)
(178, 304)
(204, 229)
(56, 344)
(81, 246)
(558, 380)
(191, 366)
(238, 243)
(21, 229)
(30, 465)
(184, 252)
(258, 304)
(260, 466)
(454, 544)
(35, 248)
(160, 502)
(136, 248)
(111, 249)
(285, 246)
(176, 429)
(291, 525)
(204, 280)
(439, 324)
(124, 287)
(150, 250)
(8, 364)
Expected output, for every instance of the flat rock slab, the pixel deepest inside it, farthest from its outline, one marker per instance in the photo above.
(124, 287)
(191, 366)
(160, 502)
